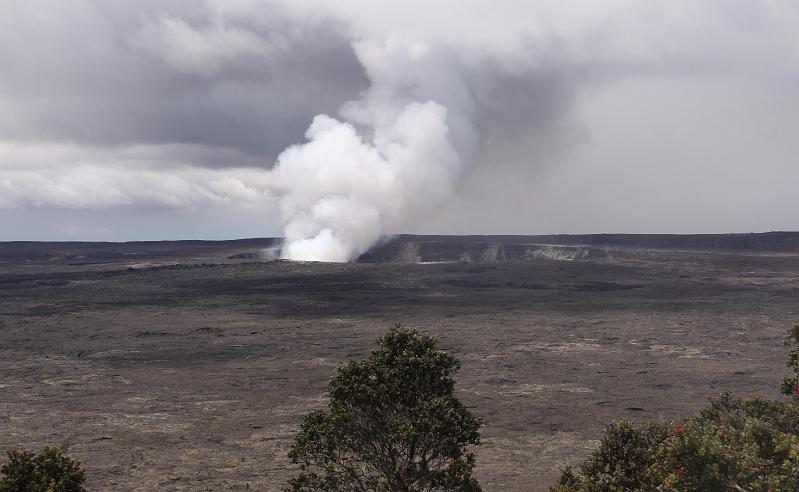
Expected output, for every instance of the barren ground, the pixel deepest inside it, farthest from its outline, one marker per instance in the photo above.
(192, 372)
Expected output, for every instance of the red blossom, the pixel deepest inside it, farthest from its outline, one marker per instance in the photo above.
(679, 430)
(679, 470)
(796, 390)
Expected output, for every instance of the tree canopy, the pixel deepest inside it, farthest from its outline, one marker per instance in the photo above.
(393, 424)
(46, 471)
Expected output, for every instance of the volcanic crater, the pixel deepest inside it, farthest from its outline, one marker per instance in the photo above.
(189, 365)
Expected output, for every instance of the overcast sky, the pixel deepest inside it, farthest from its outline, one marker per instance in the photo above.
(163, 119)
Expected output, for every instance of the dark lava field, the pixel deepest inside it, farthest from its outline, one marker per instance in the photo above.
(188, 365)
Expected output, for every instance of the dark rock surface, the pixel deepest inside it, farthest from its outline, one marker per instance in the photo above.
(187, 366)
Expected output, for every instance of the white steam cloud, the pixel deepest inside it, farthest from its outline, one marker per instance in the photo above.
(393, 158)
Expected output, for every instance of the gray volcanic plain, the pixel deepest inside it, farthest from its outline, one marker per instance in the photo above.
(189, 365)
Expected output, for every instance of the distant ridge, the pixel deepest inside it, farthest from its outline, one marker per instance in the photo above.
(778, 241)
(407, 247)
(425, 248)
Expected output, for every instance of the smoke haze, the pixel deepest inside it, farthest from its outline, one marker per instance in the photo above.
(334, 123)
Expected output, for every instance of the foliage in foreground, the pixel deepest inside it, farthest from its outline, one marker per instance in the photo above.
(393, 424)
(46, 471)
(732, 445)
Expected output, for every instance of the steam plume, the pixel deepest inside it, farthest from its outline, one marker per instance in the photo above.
(396, 154)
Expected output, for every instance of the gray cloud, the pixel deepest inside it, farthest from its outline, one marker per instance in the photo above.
(171, 72)
(604, 116)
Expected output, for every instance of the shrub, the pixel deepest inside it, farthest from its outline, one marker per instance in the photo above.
(623, 460)
(790, 385)
(47, 471)
(732, 445)
(393, 424)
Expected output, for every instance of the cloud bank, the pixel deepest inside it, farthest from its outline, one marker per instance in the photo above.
(343, 121)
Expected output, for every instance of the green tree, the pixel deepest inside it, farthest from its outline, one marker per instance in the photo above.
(623, 460)
(393, 424)
(47, 471)
(790, 385)
(731, 445)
